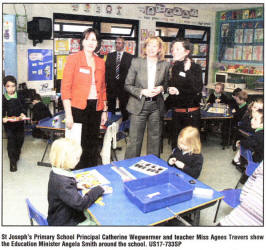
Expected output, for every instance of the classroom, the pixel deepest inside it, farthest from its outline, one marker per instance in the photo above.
(146, 94)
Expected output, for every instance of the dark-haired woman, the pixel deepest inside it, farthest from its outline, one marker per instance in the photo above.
(185, 88)
(84, 95)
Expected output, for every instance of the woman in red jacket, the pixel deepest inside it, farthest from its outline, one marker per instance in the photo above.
(84, 95)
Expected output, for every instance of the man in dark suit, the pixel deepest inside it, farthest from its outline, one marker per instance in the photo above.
(117, 65)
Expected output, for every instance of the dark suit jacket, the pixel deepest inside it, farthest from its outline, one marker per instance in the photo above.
(137, 79)
(111, 68)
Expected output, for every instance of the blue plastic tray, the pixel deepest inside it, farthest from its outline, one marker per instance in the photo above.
(155, 192)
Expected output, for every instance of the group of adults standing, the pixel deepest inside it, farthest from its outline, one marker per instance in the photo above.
(90, 88)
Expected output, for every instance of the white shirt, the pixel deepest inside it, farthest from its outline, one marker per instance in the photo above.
(121, 54)
(151, 65)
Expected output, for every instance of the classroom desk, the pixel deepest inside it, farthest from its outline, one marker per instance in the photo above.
(117, 209)
(205, 116)
(54, 127)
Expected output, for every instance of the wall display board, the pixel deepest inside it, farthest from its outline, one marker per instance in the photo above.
(240, 36)
(9, 45)
(40, 64)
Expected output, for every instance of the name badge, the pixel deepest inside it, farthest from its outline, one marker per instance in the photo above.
(183, 74)
(85, 71)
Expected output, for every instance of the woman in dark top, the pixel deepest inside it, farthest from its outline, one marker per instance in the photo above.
(185, 88)
(13, 106)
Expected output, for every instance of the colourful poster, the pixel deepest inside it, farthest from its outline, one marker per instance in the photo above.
(60, 65)
(248, 35)
(239, 36)
(74, 45)
(40, 64)
(130, 47)
(247, 53)
(257, 54)
(144, 34)
(245, 14)
(61, 45)
(238, 53)
(228, 55)
(258, 36)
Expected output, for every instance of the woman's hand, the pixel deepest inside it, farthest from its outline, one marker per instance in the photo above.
(173, 91)
(179, 164)
(187, 64)
(69, 121)
(5, 119)
(22, 115)
(172, 161)
(104, 118)
(148, 92)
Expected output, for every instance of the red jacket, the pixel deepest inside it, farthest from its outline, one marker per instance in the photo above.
(77, 79)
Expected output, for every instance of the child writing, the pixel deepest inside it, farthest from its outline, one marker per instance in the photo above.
(13, 106)
(255, 142)
(187, 156)
(66, 205)
(39, 112)
(218, 96)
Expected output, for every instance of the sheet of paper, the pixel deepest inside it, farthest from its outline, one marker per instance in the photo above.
(74, 133)
(92, 178)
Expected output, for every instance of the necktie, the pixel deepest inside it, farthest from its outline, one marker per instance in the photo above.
(117, 65)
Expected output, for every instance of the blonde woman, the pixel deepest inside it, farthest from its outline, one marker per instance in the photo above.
(66, 205)
(187, 156)
(146, 80)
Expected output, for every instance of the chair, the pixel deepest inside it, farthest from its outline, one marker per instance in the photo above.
(35, 215)
(250, 168)
(120, 135)
(231, 197)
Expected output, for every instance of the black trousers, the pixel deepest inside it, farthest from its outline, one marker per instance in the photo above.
(90, 119)
(181, 120)
(122, 96)
(15, 139)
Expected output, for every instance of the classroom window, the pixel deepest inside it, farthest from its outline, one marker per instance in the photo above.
(75, 28)
(165, 31)
(118, 29)
(189, 33)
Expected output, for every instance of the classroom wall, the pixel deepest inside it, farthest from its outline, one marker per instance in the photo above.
(202, 17)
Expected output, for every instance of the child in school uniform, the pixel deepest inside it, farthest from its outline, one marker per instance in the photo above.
(39, 112)
(241, 99)
(232, 101)
(66, 205)
(254, 142)
(218, 96)
(13, 106)
(245, 122)
(187, 156)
